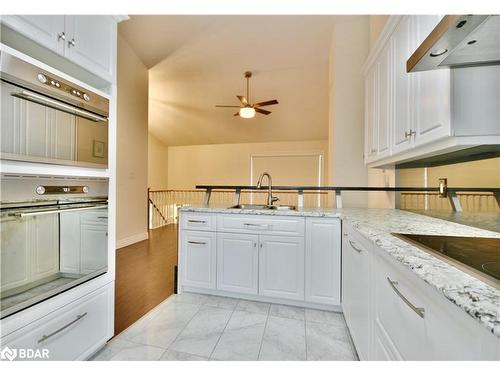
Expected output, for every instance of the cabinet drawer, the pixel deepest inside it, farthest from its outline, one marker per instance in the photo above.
(197, 221)
(73, 332)
(266, 224)
(396, 311)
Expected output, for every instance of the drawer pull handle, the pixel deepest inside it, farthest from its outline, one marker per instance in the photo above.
(420, 311)
(102, 217)
(354, 246)
(257, 225)
(197, 221)
(46, 337)
(197, 242)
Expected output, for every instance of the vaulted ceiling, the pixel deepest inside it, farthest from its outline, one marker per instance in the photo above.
(197, 62)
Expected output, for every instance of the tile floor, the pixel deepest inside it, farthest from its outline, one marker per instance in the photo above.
(197, 327)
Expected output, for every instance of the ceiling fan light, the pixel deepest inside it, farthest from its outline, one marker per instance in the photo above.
(247, 112)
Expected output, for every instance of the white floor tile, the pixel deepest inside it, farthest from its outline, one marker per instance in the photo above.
(327, 317)
(122, 350)
(202, 333)
(284, 339)
(221, 302)
(164, 327)
(194, 298)
(242, 337)
(172, 355)
(253, 306)
(326, 342)
(284, 311)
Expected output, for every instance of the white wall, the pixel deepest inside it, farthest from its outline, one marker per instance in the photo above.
(346, 123)
(229, 164)
(157, 163)
(132, 147)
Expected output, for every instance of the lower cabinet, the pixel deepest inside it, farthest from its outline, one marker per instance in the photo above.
(238, 262)
(281, 267)
(394, 315)
(198, 259)
(266, 256)
(356, 291)
(73, 332)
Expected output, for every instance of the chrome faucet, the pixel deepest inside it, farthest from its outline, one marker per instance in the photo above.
(270, 198)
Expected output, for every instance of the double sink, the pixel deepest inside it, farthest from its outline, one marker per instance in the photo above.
(263, 207)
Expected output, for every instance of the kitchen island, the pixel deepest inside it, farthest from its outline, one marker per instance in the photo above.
(374, 228)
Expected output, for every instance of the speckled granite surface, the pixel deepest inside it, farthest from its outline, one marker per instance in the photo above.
(479, 300)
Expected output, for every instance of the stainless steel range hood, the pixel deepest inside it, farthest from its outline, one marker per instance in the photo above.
(464, 40)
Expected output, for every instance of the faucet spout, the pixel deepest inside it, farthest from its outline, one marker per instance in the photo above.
(270, 198)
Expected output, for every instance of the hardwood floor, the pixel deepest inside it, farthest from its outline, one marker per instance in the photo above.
(144, 275)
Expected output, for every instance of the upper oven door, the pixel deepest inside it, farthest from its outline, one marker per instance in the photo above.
(39, 128)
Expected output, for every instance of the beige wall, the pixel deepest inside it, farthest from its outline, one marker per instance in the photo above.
(346, 128)
(229, 164)
(132, 146)
(377, 24)
(157, 163)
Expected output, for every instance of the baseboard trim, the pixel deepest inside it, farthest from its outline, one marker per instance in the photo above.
(132, 239)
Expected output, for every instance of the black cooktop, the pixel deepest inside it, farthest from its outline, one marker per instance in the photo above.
(480, 254)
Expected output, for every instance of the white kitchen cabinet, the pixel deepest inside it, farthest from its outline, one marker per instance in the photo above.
(371, 118)
(432, 91)
(86, 40)
(281, 267)
(90, 43)
(93, 247)
(238, 262)
(356, 290)
(384, 105)
(73, 332)
(198, 259)
(402, 46)
(45, 246)
(322, 260)
(47, 30)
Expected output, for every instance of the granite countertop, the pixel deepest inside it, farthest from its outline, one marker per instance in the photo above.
(483, 220)
(476, 298)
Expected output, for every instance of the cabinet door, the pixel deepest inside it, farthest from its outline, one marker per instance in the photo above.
(402, 82)
(432, 91)
(281, 267)
(371, 114)
(237, 262)
(384, 94)
(45, 30)
(91, 43)
(70, 242)
(93, 247)
(356, 291)
(322, 272)
(198, 259)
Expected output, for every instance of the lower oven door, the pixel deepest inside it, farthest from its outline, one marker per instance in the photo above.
(41, 129)
(44, 253)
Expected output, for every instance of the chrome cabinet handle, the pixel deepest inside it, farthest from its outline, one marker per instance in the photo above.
(410, 133)
(197, 242)
(354, 246)
(61, 36)
(46, 337)
(72, 43)
(197, 221)
(420, 311)
(257, 225)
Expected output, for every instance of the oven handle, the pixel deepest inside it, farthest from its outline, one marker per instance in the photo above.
(57, 211)
(39, 99)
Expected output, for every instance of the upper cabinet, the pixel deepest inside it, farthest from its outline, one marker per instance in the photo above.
(409, 115)
(88, 41)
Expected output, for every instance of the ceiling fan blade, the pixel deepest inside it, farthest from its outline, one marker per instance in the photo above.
(237, 114)
(269, 102)
(263, 111)
(228, 106)
(242, 99)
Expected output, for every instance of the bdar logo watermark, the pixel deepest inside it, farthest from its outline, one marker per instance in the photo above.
(23, 354)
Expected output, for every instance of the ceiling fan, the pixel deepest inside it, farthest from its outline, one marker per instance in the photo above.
(247, 110)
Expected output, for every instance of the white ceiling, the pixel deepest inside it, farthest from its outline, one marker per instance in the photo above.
(198, 61)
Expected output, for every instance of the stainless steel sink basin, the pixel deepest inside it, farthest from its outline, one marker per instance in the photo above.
(262, 207)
